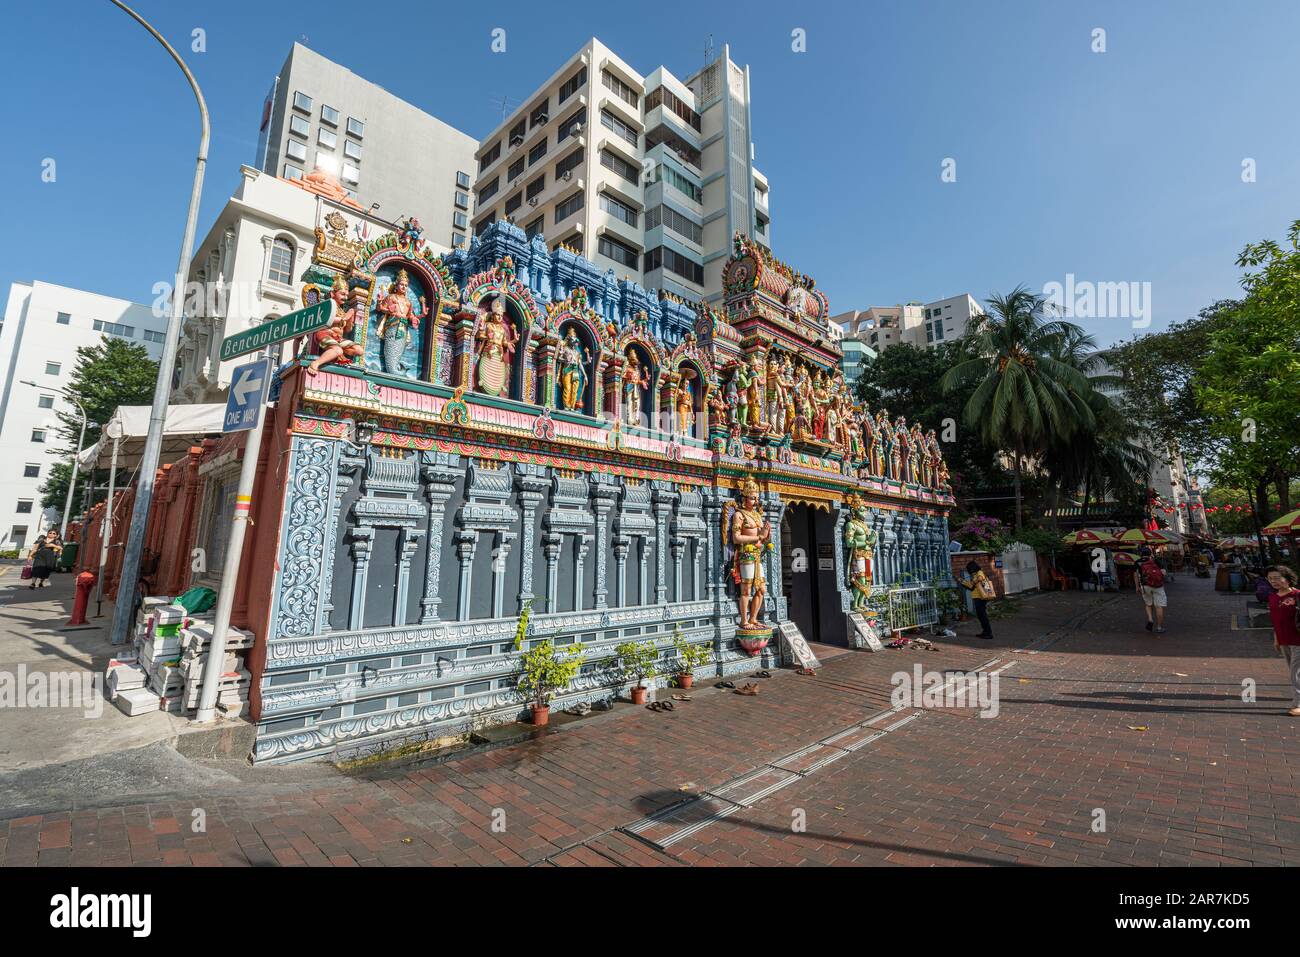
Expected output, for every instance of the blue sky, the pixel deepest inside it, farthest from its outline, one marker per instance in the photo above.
(1114, 167)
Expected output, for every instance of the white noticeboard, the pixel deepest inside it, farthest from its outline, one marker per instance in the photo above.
(798, 646)
(867, 632)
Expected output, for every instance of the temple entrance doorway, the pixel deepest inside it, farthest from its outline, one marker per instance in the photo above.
(808, 575)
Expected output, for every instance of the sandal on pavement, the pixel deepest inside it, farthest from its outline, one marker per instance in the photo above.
(764, 674)
(1294, 712)
(749, 689)
(681, 697)
(667, 706)
(654, 706)
(724, 684)
(806, 671)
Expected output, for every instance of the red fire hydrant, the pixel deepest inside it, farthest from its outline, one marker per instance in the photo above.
(85, 582)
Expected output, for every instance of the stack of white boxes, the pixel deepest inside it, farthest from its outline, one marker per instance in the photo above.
(232, 687)
(165, 670)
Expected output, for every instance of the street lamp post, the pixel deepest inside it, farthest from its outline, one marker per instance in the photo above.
(76, 459)
(127, 583)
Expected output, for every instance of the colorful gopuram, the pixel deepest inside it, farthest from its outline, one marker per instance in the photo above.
(506, 435)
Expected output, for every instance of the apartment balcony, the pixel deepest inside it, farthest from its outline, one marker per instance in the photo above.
(663, 116)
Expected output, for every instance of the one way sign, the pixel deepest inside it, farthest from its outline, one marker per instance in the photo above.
(247, 396)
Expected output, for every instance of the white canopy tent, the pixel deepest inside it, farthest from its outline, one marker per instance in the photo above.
(122, 444)
(130, 424)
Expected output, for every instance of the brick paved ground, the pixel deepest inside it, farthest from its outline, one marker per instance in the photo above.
(1095, 713)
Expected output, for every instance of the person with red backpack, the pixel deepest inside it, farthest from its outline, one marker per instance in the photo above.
(1150, 582)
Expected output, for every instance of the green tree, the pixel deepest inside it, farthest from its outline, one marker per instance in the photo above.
(1024, 397)
(111, 373)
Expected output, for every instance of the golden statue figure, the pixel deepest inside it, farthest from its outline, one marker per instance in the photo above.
(750, 533)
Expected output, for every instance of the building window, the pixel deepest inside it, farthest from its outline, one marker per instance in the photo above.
(45, 402)
(352, 150)
(356, 127)
(516, 170)
(351, 174)
(570, 162)
(296, 150)
(301, 101)
(675, 263)
(327, 138)
(610, 121)
(540, 114)
(18, 537)
(536, 186)
(622, 167)
(292, 172)
(462, 179)
(281, 269)
(52, 368)
(679, 147)
(490, 157)
(618, 209)
(329, 115)
(536, 226)
(489, 190)
(620, 89)
(663, 97)
(570, 206)
(63, 319)
(457, 239)
(484, 223)
(674, 221)
(537, 152)
(514, 202)
(460, 220)
(617, 251)
(151, 336)
(38, 435)
(462, 200)
(573, 84)
(663, 171)
(31, 471)
(24, 506)
(299, 127)
(516, 135)
(574, 242)
(568, 127)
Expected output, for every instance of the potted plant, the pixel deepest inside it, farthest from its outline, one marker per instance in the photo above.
(689, 657)
(639, 662)
(543, 673)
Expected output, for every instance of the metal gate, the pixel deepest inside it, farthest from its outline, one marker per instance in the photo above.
(913, 607)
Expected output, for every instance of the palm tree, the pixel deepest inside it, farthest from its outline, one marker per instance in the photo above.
(1026, 398)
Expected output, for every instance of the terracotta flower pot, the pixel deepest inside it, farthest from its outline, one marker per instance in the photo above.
(541, 716)
(638, 695)
(685, 681)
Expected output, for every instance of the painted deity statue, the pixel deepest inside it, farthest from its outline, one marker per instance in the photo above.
(920, 457)
(635, 378)
(859, 544)
(573, 358)
(821, 396)
(833, 420)
(787, 411)
(397, 319)
(755, 391)
(732, 402)
(888, 460)
(332, 343)
(938, 466)
(902, 454)
(871, 439)
(684, 402)
(751, 535)
(496, 340)
(742, 379)
(853, 427)
(775, 394)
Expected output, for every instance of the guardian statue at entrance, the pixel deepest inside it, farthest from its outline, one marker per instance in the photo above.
(750, 533)
(859, 543)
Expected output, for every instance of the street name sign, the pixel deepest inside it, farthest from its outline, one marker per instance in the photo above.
(247, 396)
(289, 326)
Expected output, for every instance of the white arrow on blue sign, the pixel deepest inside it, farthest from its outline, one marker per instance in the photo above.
(247, 396)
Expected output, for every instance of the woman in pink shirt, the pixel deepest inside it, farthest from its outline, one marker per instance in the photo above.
(1286, 637)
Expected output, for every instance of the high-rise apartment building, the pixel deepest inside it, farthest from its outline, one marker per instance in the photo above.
(44, 325)
(647, 175)
(383, 150)
(924, 325)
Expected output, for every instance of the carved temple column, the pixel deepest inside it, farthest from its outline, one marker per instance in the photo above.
(466, 544)
(500, 554)
(363, 541)
(603, 494)
(350, 461)
(678, 547)
(713, 543)
(581, 545)
(663, 500)
(621, 545)
(551, 544)
(439, 484)
(410, 539)
(531, 485)
(647, 554)
(462, 338)
(773, 511)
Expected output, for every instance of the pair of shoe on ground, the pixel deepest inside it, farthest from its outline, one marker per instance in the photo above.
(1151, 626)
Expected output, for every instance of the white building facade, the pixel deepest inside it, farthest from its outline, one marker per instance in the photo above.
(318, 114)
(250, 269)
(647, 175)
(44, 325)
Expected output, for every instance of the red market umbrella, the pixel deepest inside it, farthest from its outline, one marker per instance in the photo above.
(1288, 524)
